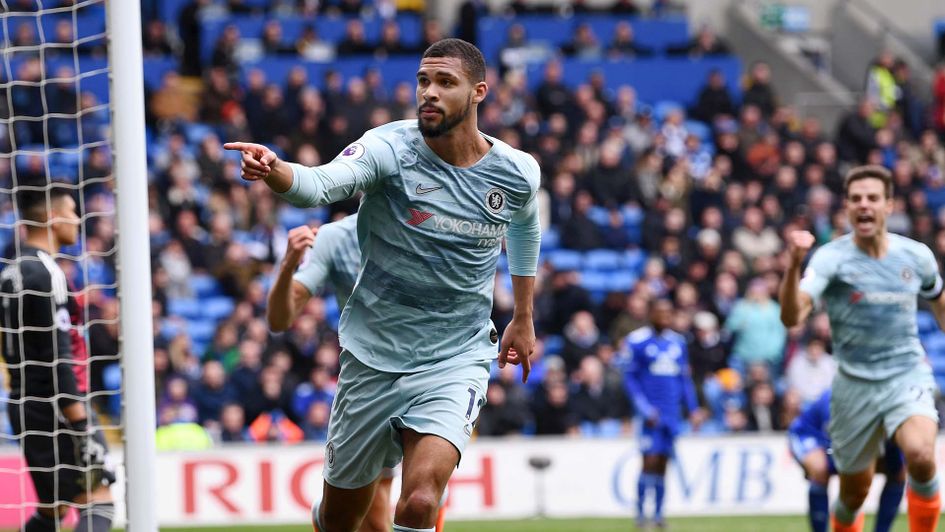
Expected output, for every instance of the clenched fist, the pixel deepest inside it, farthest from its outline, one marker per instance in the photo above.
(799, 244)
(300, 239)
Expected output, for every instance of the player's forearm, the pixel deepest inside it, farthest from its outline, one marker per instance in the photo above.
(280, 178)
(792, 309)
(523, 289)
(74, 412)
(280, 308)
(321, 185)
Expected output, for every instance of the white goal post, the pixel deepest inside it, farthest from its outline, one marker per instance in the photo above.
(134, 266)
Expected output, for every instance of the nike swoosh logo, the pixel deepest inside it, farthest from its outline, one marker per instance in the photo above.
(421, 190)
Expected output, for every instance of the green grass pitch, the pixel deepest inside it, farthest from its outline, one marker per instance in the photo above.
(690, 524)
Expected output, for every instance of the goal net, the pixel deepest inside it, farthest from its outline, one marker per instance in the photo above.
(62, 92)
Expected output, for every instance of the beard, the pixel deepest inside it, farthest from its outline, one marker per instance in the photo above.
(446, 124)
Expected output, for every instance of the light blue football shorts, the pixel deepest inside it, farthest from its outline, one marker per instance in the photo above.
(864, 413)
(371, 407)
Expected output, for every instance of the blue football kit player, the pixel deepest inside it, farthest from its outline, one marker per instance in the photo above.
(440, 198)
(868, 281)
(810, 446)
(658, 379)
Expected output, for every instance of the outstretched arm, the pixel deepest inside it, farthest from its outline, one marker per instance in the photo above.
(359, 167)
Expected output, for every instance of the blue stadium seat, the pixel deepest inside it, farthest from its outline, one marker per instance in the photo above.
(111, 381)
(218, 307)
(195, 132)
(204, 285)
(171, 328)
(602, 260)
(332, 312)
(662, 108)
(503, 262)
(155, 68)
(565, 259)
(290, 217)
(699, 129)
(934, 342)
(599, 215)
(634, 259)
(550, 240)
(185, 308)
(656, 33)
(622, 281)
(201, 330)
(553, 344)
(598, 283)
(926, 322)
(648, 76)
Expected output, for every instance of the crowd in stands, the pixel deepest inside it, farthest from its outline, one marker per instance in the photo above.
(686, 202)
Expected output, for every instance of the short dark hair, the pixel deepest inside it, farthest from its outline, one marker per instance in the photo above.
(468, 54)
(34, 203)
(868, 171)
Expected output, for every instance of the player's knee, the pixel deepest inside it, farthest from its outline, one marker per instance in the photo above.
(419, 503)
(375, 523)
(920, 458)
(853, 496)
(338, 519)
(818, 475)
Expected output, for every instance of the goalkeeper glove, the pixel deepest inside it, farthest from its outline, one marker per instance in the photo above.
(90, 453)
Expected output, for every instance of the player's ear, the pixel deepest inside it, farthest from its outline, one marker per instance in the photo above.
(480, 90)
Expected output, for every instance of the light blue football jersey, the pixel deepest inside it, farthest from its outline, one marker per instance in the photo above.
(334, 258)
(871, 303)
(430, 235)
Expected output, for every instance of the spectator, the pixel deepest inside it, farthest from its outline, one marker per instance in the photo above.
(155, 42)
(552, 96)
(354, 41)
(881, 88)
(856, 135)
(212, 393)
(623, 44)
(581, 338)
(390, 43)
(938, 97)
(707, 353)
(758, 90)
(315, 427)
(754, 239)
(597, 402)
(580, 232)
(764, 409)
(312, 48)
(176, 406)
(506, 410)
(755, 322)
(233, 424)
(714, 99)
(811, 371)
(553, 411)
(273, 42)
(706, 42)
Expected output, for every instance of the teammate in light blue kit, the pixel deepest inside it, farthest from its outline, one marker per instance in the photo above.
(658, 379)
(440, 198)
(810, 446)
(884, 388)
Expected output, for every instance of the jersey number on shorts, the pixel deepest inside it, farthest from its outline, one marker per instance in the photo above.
(472, 402)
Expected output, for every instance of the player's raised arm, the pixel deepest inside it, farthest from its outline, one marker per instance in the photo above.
(287, 296)
(358, 167)
(796, 304)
